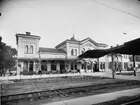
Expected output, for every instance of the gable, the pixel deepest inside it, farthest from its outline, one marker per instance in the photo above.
(88, 44)
(88, 40)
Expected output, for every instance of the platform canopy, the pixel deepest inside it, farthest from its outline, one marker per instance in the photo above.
(97, 53)
(130, 48)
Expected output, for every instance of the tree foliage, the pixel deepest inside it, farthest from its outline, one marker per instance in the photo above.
(7, 57)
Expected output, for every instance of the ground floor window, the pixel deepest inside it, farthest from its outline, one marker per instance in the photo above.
(53, 65)
(44, 66)
(125, 65)
(31, 66)
(75, 66)
(83, 66)
(62, 65)
(89, 66)
(25, 66)
(72, 68)
(103, 65)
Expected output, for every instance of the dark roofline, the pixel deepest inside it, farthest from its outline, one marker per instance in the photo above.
(61, 43)
(67, 40)
(27, 35)
(97, 44)
(44, 49)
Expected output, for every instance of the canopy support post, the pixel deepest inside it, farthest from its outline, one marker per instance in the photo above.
(113, 68)
(98, 64)
(134, 65)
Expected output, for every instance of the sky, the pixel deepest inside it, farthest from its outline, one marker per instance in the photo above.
(56, 20)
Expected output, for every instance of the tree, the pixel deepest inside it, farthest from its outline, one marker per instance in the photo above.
(7, 57)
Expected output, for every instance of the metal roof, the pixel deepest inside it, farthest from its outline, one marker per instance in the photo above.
(52, 50)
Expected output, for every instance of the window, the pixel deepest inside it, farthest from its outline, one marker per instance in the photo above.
(75, 52)
(53, 65)
(72, 66)
(83, 50)
(26, 49)
(101, 65)
(72, 52)
(83, 66)
(31, 49)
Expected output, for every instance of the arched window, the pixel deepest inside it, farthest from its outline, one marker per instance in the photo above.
(72, 52)
(26, 49)
(83, 50)
(31, 49)
(75, 52)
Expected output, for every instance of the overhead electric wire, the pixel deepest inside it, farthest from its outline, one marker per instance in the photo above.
(128, 13)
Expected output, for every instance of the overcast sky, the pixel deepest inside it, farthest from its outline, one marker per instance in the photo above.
(57, 20)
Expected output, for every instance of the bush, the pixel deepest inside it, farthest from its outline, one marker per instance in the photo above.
(73, 71)
(54, 71)
(130, 69)
(28, 73)
(62, 71)
(45, 72)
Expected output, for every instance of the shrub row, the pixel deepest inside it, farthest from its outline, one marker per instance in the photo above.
(48, 72)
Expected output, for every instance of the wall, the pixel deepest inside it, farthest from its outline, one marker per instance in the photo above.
(52, 55)
(26, 41)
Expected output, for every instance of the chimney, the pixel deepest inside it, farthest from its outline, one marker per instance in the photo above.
(28, 33)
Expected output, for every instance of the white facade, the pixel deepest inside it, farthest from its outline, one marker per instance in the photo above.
(62, 58)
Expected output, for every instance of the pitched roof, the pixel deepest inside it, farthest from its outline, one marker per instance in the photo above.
(102, 45)
(88, 39)
(67, 40)
(53, 50)
(80, 42)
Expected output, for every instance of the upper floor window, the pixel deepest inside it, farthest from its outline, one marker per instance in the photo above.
(75, 52)
(72, 52)
(83, 50)
(26, 49)
(31, 49)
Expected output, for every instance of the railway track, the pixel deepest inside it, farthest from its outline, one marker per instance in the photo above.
(134, 102)
(60, 93)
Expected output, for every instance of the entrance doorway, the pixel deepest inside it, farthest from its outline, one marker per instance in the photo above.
(31, 66)
(25, 68)
(62, 66)
(44, 65)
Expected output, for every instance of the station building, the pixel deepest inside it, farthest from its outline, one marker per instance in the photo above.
(62, 58)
